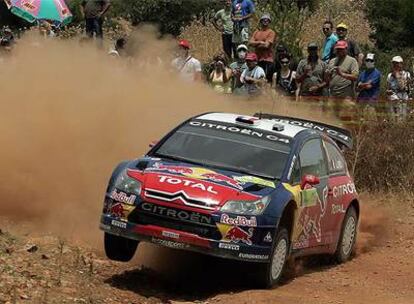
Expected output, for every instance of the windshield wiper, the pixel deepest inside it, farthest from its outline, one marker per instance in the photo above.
(177, 158)
(249, 172)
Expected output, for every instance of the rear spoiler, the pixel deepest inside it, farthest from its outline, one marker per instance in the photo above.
(341, 136)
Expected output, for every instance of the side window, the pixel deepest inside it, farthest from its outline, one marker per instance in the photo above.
(295, 176)
(312, 159)
(336, 161)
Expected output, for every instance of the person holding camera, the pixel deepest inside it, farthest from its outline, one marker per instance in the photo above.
(220, 77)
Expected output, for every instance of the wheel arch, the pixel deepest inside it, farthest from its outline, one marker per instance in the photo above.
(287, 220)
(355, 203)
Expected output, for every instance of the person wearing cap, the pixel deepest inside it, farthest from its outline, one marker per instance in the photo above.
(241, 12)
(399, 87)
(310, 74)
(369, 83)
(222, 21)
(284, 81)
(188, 67)
(93, 11)
(353, 48)
(330, 40)
(254, 77)
(238, 68)
(341, 74)
(263, 40)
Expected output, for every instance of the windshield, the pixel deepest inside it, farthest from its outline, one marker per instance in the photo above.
(228, 147)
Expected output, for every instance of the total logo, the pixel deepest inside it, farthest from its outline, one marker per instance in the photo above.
(198, 173)
(186, 183)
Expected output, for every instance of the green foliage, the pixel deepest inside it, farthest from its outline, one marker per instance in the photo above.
(287, 21)
(393, 22)
(170, 15)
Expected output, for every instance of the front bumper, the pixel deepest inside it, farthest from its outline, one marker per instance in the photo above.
(177, 239)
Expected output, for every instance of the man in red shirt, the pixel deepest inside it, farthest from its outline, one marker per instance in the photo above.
(263, 41)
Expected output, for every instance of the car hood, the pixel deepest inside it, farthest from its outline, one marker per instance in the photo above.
(196, 186)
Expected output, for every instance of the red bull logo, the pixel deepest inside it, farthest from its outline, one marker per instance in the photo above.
(237, 234)
(199, 173)
(118, 210)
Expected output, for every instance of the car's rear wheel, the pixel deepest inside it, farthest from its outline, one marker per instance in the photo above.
(269, 274)
(347, 239)
(118, 248)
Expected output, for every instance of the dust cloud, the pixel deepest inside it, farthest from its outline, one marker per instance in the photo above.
(69, 114)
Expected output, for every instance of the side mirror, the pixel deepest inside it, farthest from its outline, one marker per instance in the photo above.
(310, 180)
(153, 143)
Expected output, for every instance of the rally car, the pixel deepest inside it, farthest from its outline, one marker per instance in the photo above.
(259, 188)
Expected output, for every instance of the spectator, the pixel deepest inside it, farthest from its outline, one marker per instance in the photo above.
(310, 74)
(330, 40)
(369, 82)
(241, 12)
(284, 81)
(282, 52)
(398, 88)
(353, 48)
(238, 68)
(119, 48)
(220, 77)
(341, 74)
(254, 77)
(8, 35)
(225, 25)
(263, 40)
(188, 67)
(93, 11)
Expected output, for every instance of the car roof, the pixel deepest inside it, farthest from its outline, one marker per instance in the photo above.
(289, 130)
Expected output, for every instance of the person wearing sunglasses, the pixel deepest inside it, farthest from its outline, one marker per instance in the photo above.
(284, 81)
(369, 82)
(330, 40)
(353, 48)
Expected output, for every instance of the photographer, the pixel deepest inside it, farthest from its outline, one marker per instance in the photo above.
(220, 77)
(238, 68)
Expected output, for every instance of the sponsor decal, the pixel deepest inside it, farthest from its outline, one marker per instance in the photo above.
(229, 246)
(170, 234)
(120, 210)
(238, 221)
(123, 197)
(119, 224)
(313, 126)
(338, 209)
(268, 238)
(341, 190)
(239, 130)
(301, 243)
(254, 180)
(170, 244)
(186, 183)
(183, 215)
(253, 256)
(198, 173)
(236, 234)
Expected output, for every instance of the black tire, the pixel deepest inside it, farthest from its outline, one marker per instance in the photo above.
(118, 248)
(346, 243)
(266, 278)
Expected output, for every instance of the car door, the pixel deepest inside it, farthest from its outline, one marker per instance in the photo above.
(309, 228)
(341, 190)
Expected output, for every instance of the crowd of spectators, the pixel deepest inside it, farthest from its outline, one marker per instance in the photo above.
(337, 75)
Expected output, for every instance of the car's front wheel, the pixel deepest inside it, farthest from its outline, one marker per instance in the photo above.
(269, 274)
(118, 248)
(346, 243)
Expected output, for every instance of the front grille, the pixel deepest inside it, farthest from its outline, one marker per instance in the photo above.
(204, 227)
(180, 195)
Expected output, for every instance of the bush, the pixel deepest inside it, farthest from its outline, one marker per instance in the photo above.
(393, 22)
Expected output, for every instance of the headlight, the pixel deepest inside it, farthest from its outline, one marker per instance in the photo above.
(127, 184)
(246, 207)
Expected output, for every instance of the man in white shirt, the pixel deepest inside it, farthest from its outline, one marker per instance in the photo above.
(188, 67)
(254, 77)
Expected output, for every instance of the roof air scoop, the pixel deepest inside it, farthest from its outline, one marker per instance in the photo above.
(247, 120)
(278, 127)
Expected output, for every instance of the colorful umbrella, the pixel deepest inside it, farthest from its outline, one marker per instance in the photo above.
(32, 10)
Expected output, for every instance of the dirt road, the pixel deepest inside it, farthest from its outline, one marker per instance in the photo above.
(39, 268)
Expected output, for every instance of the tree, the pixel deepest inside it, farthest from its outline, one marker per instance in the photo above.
(393, 22)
